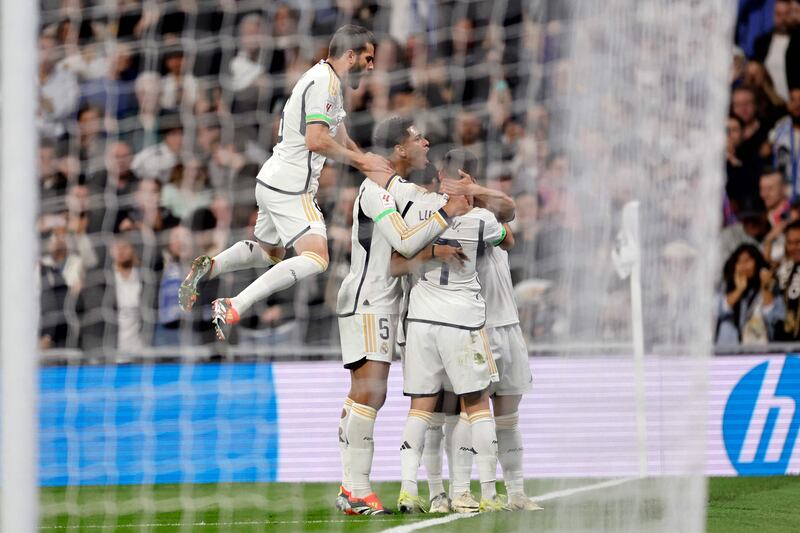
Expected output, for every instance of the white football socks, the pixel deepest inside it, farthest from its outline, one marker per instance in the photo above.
(484, 442)
(360, 448)
(343, 452)
(240, 256)
(281, 276)
(450, 422)
(411, 449)
(462, 453)
(432, 454)
(509, 452)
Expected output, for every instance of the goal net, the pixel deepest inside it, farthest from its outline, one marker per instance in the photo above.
(154, 118)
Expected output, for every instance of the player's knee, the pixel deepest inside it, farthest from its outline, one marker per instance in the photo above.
(476, 399)
(276, 253)
(320, 260)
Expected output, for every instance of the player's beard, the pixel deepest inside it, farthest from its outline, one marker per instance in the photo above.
(354, 78)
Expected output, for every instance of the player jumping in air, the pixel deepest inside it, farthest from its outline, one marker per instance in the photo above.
(369, 298)
(311, 130)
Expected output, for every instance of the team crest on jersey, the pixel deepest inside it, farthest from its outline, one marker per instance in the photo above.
(479, 358)
(384, 348)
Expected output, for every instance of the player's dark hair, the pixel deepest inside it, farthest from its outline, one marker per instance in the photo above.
(390, 132)
(350, 37)
(459, 159)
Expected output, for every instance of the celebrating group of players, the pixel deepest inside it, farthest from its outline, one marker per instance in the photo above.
(425, 265)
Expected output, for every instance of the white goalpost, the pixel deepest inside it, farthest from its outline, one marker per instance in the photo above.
(18, 247)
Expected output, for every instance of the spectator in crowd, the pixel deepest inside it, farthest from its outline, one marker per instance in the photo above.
(178, 88)
(117, 309)
(177, 256)
(785, 141)
(114, 91)
(146, 213)
(91, 139)
(187, 189)
(751, 227)
(246, 75)
(156, 161)
(61, 275)
(128, 285)
(770, 106)
(117, 177)
(772, 189)
(771, 48)
(754, 135)
(52, 182)
(747, 310)
(788, 277)
(58, 91)
(742, 178)
(143, 129)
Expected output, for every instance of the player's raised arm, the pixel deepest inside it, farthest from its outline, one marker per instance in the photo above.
(408, 241)
(499, 203)
(318, 140)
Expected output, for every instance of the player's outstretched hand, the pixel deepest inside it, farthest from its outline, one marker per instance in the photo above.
(453, 256)
(373, 163)
(457, 205)
(462, 186)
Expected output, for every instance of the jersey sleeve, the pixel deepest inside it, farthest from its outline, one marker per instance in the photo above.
(380, 206)
(493, 231)
(320, 99)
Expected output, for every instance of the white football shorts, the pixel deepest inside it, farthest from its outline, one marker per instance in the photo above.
(284, 218)
(508, 345)
(438, 353)
(367, 336)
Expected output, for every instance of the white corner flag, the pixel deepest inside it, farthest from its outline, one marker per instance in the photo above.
(626, 257)
(626, 250)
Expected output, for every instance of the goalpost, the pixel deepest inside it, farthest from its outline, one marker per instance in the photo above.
(630, 94)
(18, 247)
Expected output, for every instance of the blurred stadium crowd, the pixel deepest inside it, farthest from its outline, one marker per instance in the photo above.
(760, 242)
(155, 116)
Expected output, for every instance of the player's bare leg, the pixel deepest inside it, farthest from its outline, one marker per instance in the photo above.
(368, 383)
(242, 255)
(484, 442)
(509, 451)
(311, 260)
(419, 418)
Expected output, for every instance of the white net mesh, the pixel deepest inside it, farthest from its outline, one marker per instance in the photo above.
(156, 117)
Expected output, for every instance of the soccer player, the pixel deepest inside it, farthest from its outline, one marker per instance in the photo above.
(447, 410)
(511, 354)
(446, 342)
(368, 300)
(311, 129)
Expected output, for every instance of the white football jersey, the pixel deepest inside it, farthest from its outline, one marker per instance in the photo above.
(452, 296)
(378, 229)
(494, 274)
(415, 204)
(315, 99)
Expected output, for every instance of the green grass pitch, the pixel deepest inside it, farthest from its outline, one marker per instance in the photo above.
(763, 504)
